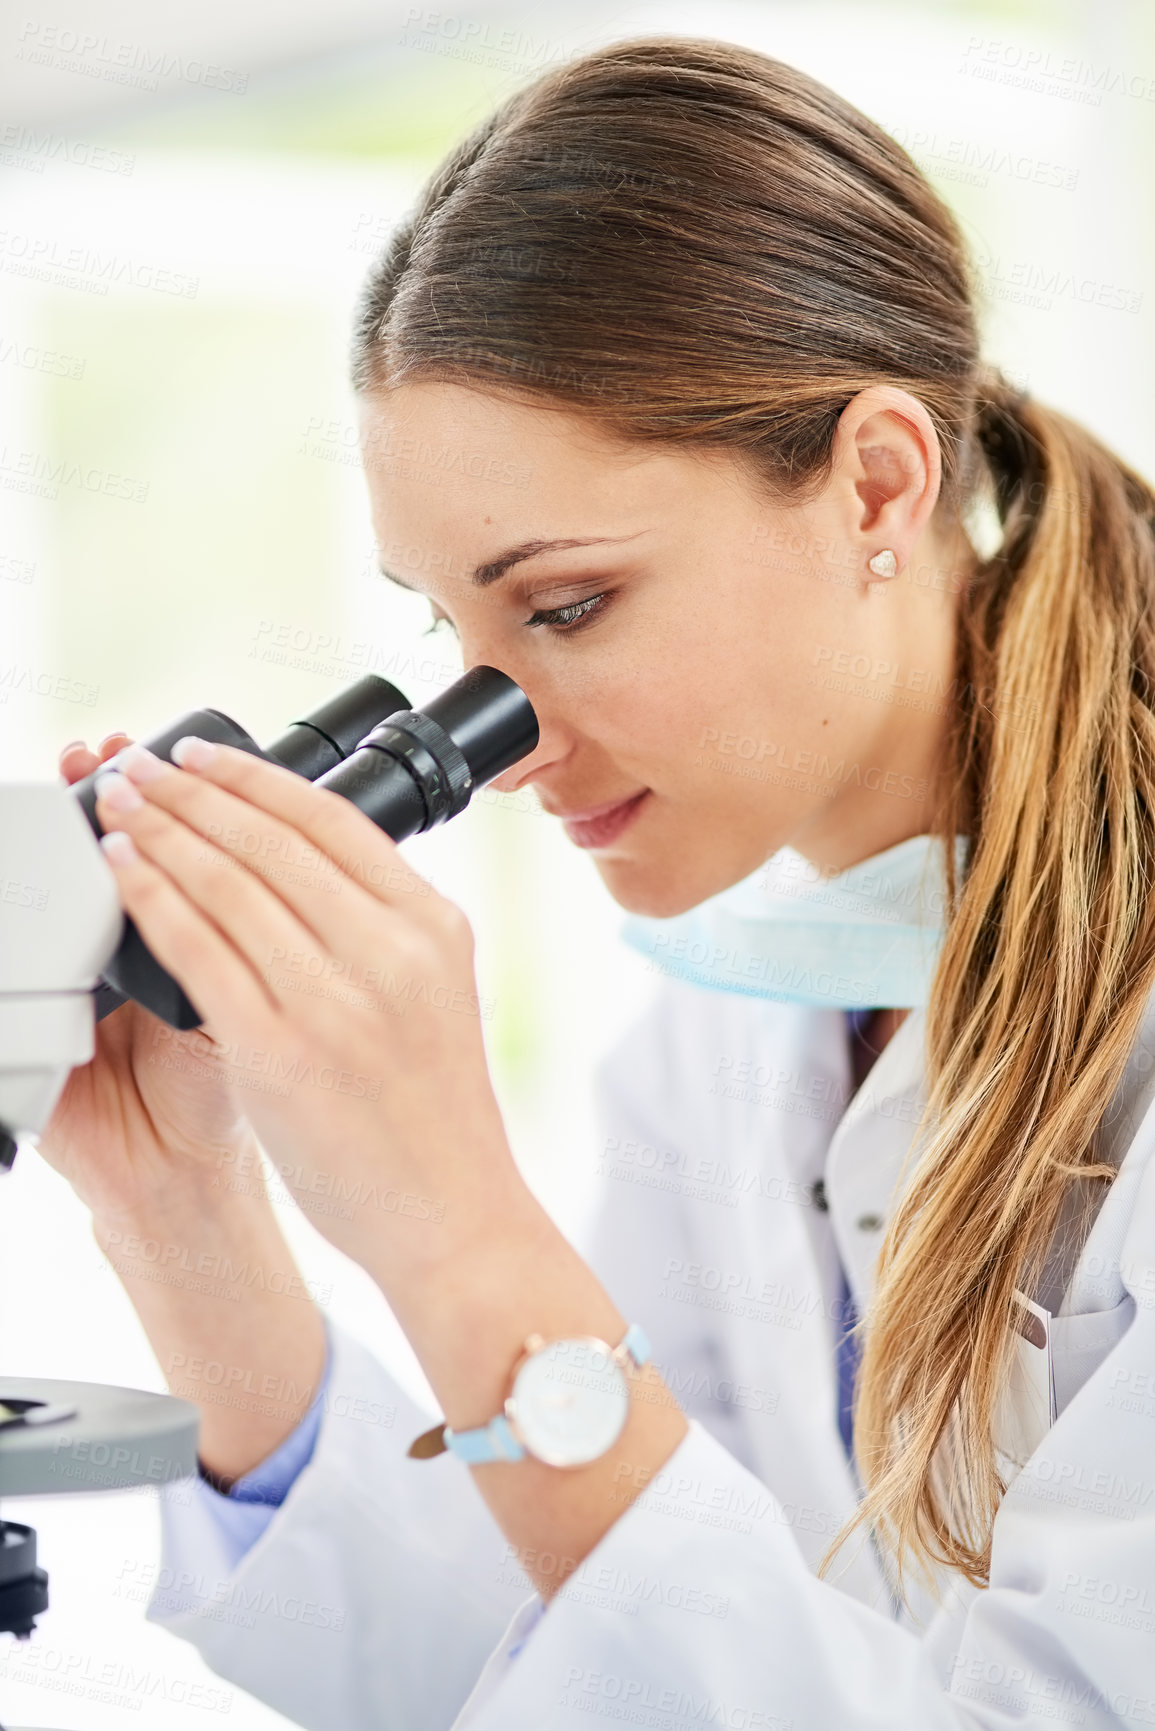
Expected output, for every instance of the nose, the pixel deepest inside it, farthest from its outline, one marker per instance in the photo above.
(480, 648)
(550, 749)
(553, 743)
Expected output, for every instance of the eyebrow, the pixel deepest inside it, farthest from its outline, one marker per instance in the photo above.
(495, 569)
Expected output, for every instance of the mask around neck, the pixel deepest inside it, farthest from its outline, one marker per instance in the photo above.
(868, 937)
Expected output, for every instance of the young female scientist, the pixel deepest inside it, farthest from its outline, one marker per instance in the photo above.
(730, 331)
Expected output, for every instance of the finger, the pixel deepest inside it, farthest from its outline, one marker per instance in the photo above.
(221, 984)
(333, 893)
(332, 908)
(76, 761)
(259, 926)
(327, 821)
(111, 744)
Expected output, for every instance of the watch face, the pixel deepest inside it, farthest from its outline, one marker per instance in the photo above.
(570, 1401)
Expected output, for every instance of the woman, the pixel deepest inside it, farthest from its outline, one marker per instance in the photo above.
(730, 331)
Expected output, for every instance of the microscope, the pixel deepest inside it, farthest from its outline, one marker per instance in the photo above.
(69, 957)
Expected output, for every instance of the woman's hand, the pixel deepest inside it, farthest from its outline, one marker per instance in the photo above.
(341, 987)
(152, 1109)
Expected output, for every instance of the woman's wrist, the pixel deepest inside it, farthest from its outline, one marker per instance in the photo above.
(217, 1193)
(467, 1315)
(518, 1276)
(231, 1319)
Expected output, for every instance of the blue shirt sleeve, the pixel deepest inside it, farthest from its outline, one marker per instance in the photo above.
(242, 1515)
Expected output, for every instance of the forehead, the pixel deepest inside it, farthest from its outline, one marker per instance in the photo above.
(455, 461)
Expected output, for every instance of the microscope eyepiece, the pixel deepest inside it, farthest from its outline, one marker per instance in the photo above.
(408, 769)
(329, 733)
(421, 767)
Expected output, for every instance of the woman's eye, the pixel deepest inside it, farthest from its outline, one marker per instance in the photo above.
(571, 618)
(435, 624)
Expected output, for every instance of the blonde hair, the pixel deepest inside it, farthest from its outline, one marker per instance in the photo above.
(693, 242)
(1045, 972)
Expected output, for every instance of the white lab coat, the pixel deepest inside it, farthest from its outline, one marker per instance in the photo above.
(384, 1598)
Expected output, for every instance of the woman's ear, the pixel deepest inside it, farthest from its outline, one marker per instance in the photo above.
(888, 469)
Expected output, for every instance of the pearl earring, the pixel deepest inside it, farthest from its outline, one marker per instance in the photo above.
(884, 564)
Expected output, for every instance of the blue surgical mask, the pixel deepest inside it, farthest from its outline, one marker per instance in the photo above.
(868, 937)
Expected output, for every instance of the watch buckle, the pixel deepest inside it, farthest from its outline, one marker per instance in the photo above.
(429, 1443)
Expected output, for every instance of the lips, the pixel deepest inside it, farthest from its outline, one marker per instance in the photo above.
(599, 825)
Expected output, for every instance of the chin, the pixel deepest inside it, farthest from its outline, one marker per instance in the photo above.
(656, 895)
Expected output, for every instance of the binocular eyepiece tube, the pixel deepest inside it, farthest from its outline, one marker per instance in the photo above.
(407, 769)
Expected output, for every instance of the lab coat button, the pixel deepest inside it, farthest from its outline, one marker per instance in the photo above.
(869, 1222)
(818, 1196)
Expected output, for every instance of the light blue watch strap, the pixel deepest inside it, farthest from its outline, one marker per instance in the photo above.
(489, 1442)
(636, 1342)
(495, 1441)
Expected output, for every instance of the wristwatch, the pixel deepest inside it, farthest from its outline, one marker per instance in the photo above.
(568, 1403)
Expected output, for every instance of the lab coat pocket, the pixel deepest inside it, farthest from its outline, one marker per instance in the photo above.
(1079, 1344)
(1053, 1357)
(1026, 1409)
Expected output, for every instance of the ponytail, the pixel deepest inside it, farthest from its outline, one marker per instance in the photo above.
(1046, 967)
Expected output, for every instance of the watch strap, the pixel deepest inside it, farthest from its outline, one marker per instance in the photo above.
(495, 1441)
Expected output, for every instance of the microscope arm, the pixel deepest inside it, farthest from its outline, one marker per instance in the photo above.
(60, 925)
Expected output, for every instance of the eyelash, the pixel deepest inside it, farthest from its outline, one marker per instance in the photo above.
(563, 620)
(567, 620)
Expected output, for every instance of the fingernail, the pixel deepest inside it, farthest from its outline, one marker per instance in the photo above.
(71, 746)
(118, 847)
(117, 793)
(138, 762)
(193, 753)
